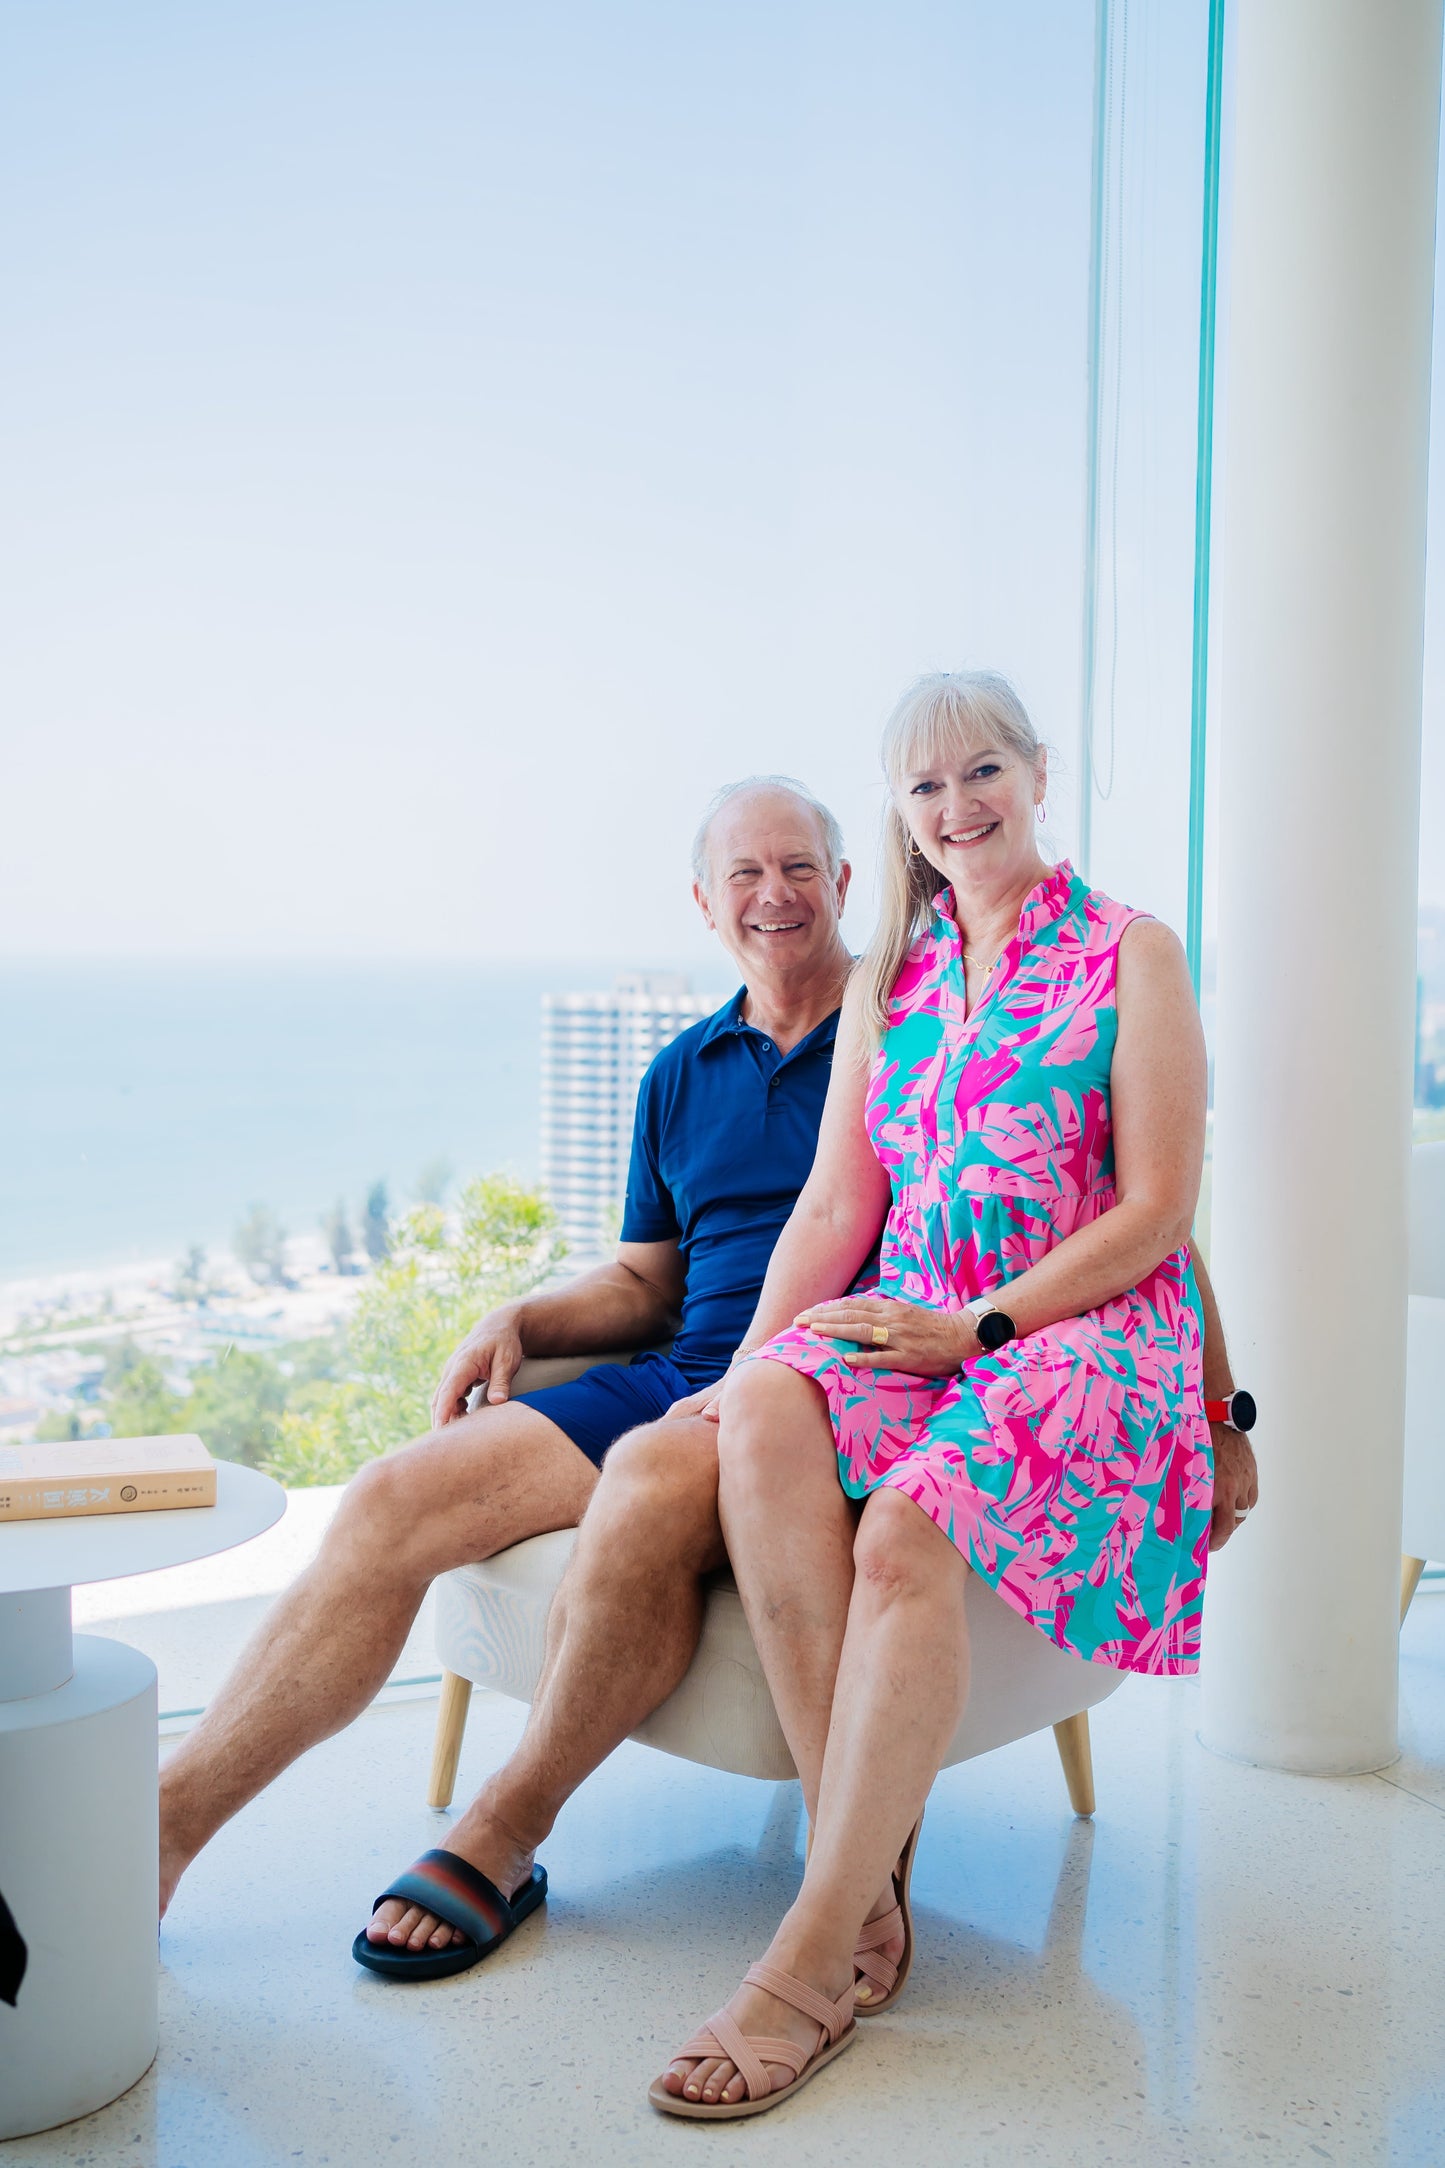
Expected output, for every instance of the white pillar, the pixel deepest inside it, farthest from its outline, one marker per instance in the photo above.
(1322, 582)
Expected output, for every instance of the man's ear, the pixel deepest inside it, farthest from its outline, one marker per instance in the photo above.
(845, 875)
(699, 897)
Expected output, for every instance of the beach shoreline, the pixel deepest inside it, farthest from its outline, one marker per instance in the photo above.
(59, 1329)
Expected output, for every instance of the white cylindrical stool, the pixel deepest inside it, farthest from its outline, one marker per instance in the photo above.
(78, 1847)
(78, 1770)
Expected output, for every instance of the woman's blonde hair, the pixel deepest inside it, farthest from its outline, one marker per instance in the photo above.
(943, 713)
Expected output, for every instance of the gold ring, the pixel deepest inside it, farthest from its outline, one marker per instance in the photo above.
(880, 1336)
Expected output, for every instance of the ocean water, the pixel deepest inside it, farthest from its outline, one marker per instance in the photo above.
(144, 1107)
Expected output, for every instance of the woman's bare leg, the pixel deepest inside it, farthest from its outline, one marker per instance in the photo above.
(899, 1684)
(791, 1537)
(789, 1527)
(901, 1687)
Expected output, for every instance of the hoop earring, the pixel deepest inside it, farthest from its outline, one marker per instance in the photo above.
(1041, 813)
(913, 849)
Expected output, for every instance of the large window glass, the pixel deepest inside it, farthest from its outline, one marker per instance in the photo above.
(1430, 1034)
(442, 446)
(1145, 523)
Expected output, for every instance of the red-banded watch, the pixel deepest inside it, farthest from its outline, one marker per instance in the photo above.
(1238, 1412)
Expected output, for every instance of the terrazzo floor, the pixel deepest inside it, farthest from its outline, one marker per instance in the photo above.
(1226, 1966)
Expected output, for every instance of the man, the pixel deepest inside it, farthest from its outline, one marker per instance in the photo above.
(727, 1125)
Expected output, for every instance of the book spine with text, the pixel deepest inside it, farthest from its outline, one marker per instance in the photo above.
(135, 1493)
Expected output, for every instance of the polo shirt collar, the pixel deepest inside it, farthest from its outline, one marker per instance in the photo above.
(725, 1021)
(729, 1022)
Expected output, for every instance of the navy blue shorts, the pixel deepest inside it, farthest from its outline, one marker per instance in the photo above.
(595, 1409)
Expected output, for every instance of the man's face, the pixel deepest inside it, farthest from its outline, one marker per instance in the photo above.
(770, 898)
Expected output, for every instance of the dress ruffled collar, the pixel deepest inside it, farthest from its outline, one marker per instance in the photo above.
(1042, 906)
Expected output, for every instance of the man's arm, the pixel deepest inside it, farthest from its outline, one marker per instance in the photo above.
(1236, 1478)
(621, 1305)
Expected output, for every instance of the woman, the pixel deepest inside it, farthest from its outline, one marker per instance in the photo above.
(1017, 1109)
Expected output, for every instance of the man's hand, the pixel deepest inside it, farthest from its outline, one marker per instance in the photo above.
(1236, 1482)
(488, 1356)
(706, 1403)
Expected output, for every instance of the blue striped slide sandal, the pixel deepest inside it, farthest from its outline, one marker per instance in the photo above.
(451, 1888)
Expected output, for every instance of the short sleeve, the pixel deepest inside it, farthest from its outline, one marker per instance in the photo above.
(648, 1215)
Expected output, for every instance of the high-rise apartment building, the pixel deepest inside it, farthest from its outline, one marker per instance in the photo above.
(595, 1048)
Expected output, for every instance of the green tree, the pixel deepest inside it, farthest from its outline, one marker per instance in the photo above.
(62, 1426)
(235, 1405)
(375, 1223)
(259, 1243)
(423, 1297)
(136, 1399)
(337, 1229)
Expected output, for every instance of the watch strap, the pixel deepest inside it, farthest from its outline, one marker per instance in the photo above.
(973, 1311)
(1000, 1337)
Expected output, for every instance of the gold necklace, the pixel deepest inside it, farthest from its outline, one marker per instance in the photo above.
(969, 957)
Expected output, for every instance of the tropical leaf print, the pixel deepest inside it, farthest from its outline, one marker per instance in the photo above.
(1073, 1468)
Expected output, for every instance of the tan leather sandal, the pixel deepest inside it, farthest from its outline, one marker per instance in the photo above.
(880, 1981)
(724, 2039)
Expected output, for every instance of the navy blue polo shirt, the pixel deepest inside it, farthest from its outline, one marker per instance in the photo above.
(723, 1141)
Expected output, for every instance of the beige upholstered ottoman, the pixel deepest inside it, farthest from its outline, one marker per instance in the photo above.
(491, 1621)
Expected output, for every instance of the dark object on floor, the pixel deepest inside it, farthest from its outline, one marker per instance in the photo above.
(14, 1956)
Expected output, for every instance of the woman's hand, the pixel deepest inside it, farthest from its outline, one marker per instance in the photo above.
(928, 1343)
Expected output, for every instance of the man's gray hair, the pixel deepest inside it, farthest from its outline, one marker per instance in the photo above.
(832, 833)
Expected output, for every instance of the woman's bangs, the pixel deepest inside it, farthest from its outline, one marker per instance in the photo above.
(929, 732)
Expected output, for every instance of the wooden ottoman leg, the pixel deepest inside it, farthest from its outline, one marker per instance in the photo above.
(1410, 1572)
(456, 1699)
(1073, 1743)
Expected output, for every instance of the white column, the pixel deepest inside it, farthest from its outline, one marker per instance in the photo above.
(1322, 583)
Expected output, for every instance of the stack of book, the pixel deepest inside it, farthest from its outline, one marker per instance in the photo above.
(104, 1475)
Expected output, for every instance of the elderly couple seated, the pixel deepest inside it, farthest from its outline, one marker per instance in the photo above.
(914, 1231)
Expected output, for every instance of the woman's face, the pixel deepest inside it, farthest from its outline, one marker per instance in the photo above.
(972, 815)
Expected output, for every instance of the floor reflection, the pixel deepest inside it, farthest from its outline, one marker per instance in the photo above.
(1224, 1967)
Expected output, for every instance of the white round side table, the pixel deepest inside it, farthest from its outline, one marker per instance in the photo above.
(78, 1781)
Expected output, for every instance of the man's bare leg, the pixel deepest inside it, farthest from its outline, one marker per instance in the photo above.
(622, 1630)
(486, 1481)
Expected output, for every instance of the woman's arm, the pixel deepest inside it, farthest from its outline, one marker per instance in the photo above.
(841, 1207)
(839, 1213)
(1157, 1093)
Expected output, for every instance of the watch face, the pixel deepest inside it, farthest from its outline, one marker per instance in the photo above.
(994, 1330)
(1243, 1414)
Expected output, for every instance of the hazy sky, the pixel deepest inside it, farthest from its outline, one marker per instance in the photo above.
(443, 442)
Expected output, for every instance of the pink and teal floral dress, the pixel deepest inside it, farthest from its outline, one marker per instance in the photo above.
(1073, 1468)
